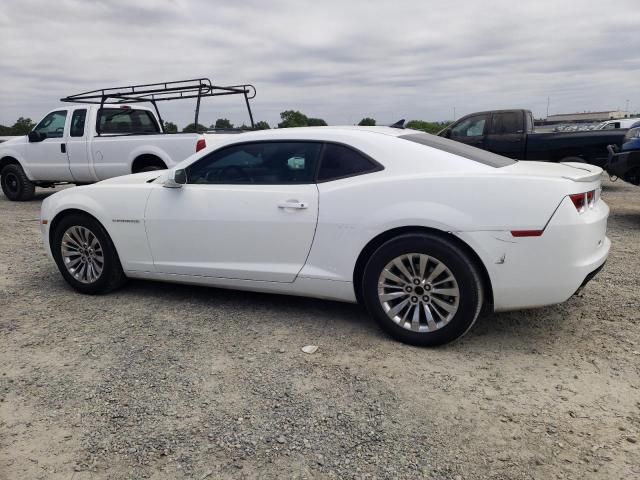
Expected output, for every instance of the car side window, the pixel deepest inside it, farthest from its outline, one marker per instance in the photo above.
(469, 127)
(77, 123)
(258, 163)
(506, 123)
(52, 126)
(339, 161)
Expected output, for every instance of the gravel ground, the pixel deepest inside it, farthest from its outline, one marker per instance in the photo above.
(168, 381)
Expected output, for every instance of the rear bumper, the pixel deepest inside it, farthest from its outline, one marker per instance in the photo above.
(590, 277)
(532, 272)
(624, 165)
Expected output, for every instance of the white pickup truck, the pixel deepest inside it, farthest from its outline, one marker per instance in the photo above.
(86, 143)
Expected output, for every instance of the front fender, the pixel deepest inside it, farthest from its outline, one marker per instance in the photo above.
(119, 209)
(15, 152)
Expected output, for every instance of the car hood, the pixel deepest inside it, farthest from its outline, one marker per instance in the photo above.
(143, 177)
(14, 141)
(578, 172)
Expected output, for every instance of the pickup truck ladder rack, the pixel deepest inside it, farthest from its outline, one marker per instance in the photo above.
(159, 92)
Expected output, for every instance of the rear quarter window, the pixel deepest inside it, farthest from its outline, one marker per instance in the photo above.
(339, 161)
(460, 149)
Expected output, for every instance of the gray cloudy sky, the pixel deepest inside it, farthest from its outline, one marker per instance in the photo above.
(339, 60)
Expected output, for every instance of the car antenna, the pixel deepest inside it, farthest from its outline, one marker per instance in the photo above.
(398, 124)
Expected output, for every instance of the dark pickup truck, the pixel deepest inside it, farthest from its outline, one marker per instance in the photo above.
(511, 133)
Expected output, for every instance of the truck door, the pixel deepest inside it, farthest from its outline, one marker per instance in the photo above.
(47, 156)
(470, 130)
(78, 146)
(506, 135)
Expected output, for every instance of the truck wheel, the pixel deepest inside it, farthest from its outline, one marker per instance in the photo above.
(152, 168)
(15, 184)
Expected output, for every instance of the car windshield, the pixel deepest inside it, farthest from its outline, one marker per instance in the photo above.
(460, 149)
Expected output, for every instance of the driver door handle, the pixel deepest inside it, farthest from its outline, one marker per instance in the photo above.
(293, 204)
(63, 148)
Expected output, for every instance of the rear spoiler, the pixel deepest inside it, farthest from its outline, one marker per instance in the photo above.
(591, 172)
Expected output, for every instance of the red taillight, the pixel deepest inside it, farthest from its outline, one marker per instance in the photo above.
(579, 200)
(583, 200)
(200, 144)
(527, 233)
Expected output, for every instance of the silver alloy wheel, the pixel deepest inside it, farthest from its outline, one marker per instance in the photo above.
(418, 292)
(82, 254)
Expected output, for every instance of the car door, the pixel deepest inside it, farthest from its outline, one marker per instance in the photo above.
(506, 134)
(248, 211)
(470, 130)
(78, 147)
(47, 157)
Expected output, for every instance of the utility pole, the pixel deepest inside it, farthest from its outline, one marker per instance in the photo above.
(454, 113)
(548, 100)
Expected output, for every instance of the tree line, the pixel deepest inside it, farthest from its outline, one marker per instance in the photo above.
(289, 119)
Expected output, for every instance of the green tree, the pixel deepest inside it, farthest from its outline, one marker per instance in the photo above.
(191, 128)
(429, 127)
(316, 122)
(367, 122)
(5, 131)
(170, 127)
(223, 123)
(293, 118)
(262, 125)
(22, 126)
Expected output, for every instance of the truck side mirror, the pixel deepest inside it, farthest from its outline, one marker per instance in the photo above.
(36, 136)
(446, 133)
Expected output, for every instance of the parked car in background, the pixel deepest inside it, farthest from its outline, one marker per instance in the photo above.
(111, 132)
(511, 133)
(624, 162)
(618, 123)
(395, 219)
(65, 147)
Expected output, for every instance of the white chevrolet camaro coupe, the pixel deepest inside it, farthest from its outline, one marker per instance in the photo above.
(423, 231)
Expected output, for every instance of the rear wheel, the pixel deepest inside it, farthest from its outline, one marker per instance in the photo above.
(86, 256)
(15, 183)
(422, 289)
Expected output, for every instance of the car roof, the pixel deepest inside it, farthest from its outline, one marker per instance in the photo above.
(300, 132)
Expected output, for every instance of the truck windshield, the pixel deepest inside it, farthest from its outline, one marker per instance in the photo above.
(127, 121)
(460, 149)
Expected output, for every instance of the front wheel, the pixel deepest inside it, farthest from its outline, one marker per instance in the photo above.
(15, 184)
(85, 255)
(422, 289)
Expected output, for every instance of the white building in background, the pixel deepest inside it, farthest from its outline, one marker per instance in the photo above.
(588, 116)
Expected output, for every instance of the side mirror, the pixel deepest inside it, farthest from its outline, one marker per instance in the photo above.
(446, 133)
(176, 179)
(36, 136)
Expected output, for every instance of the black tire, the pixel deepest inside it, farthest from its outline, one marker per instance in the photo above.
(443, 251)
(15, 183)
(112, 275)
